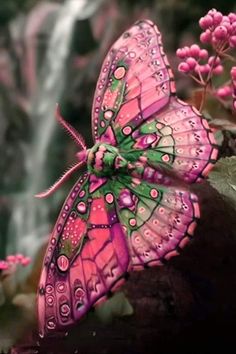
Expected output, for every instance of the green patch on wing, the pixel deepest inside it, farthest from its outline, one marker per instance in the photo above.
(145, 204)
(67, 249)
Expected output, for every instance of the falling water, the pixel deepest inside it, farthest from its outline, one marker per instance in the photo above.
(29, 218)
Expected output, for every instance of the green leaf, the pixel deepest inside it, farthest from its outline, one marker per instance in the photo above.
(224, 124)
(223, 178)
(117, 306)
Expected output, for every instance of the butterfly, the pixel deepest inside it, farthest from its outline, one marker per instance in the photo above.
(132, 208)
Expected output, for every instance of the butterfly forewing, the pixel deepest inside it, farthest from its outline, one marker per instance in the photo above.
(135, 81)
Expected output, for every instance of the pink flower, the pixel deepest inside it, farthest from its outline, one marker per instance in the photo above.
(195, 50)
(203, 69)
(206, 36)
(214, 60)
(12, 260)
(181, 53)
(25, 261)
(203, 54)
(220, 33)
(191, 63)
(184, 67)
(218, 70)
(232, 17)
(233, 73)
(217, 18)
(3, 265)
(205, 22)
(224, 91)
(232, 41)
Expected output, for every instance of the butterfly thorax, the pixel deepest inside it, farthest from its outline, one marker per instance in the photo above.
(105, 160)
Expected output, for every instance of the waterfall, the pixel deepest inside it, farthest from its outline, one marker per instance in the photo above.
(29, 220)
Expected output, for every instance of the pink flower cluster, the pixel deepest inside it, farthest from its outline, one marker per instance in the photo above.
(228, 91)
(218, 30)
(14, 260)
(193, 57)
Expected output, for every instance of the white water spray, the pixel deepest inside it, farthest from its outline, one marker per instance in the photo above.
(29, 220)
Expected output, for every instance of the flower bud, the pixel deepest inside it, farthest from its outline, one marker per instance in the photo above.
(205, 22)
(206, 36)
(180, 52)
(225, 19)
(215, 60)
(232, 17)
(11, 259)
(220, 32)
(194, 50)
(203, 54)
(218, 70)
(191, 62)
(233, 73)
(203, 69)
(3, 265)
(187, 51)
(224, 91)
(19, 256)
(212, 12)
(228, 26)
(25, 261)
(232, 41)
(233, 25)
(184, 67)
(217, 18)
(206, 68)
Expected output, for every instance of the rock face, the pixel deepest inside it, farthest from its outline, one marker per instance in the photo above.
(187, 305)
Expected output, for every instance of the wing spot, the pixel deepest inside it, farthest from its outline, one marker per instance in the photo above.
(109, 198)
(132, 222)
(127, 130)
(108, 114)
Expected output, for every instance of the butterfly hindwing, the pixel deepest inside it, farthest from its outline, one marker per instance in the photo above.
(157, 221)
(86, 258)
(177, 139)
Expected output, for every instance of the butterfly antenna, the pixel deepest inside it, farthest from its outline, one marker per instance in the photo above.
(69, 129)
(60, 181)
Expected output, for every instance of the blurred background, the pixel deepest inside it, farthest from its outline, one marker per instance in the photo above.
(52, 51)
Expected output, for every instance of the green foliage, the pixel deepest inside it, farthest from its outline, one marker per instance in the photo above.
(223, 178)
(117, 306)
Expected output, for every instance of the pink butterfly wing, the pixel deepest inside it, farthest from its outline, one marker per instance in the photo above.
(87, 257)
(135, 88)
(135, 81)
(176, 142)
(159, 223)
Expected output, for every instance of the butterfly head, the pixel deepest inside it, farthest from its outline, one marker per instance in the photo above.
(82, 155)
